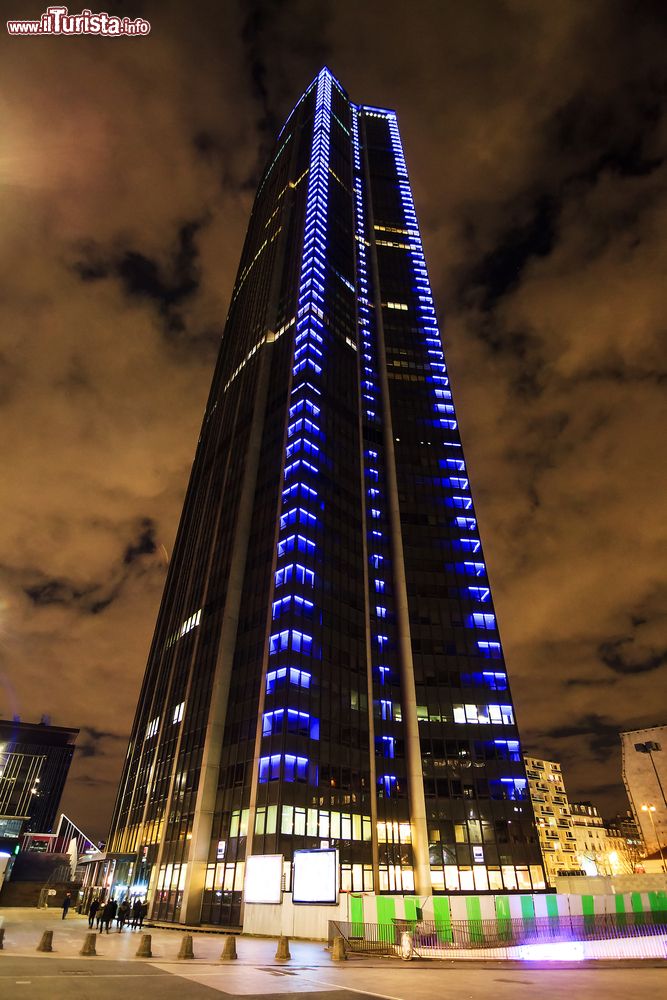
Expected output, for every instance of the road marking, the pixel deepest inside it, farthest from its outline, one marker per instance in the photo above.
(23, 982)
(365, 993)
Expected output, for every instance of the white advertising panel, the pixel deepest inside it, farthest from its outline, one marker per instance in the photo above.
(315, 876)
(263, 878)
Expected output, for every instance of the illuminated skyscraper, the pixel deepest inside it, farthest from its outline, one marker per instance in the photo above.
(326, 666)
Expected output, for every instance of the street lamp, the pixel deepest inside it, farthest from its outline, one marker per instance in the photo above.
(650, 747)
(650, 809)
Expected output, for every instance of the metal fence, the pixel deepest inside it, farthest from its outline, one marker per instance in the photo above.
(432, 938)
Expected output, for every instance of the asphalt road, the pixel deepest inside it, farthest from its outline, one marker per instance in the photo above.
(54, 978)
(69, 979)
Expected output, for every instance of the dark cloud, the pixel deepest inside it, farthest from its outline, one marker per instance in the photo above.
(589, 682)
(603, 734)
(93, 742)
(93, 600)
(500, 270)
(144, 544)
(278, 37)
(536, 139)
(53, 592)
(618, 656)
(166, 286)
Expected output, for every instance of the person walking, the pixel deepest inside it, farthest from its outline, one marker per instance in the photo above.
(142, 913)
(136, 912)
(100, 916)
(109, 913)
(123, 914)
(92, 910)
(67, 902)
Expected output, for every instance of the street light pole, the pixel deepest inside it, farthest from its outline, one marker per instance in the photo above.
(650, 809)
(648, 748)
(657, 776)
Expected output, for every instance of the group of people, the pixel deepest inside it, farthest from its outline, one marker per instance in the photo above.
(104, 914)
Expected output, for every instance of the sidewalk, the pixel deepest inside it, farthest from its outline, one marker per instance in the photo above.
(24, 926)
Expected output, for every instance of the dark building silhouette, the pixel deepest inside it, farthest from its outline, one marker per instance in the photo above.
(326, 667)
(34, 762)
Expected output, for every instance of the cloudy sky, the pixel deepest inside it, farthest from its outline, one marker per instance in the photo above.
(535, 135)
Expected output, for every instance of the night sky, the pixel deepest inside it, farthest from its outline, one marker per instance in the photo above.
(535, 135)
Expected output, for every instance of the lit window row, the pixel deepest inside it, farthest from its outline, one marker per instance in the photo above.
(298, 722)
(286, 767)
(302, 822)
(276, 679)
(192, 622)
(152, 727)
(484, 715)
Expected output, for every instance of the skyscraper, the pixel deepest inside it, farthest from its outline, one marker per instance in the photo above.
(326, 666)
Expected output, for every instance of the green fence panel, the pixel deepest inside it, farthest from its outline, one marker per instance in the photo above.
(588, 910)
(552, 906)
(386, 911)
(637, 907)
(411, 903)
(504, 917)
(474, 914)
(619, 903)
(657, 902)
(528, 910)
(357, 915)
(442, 915)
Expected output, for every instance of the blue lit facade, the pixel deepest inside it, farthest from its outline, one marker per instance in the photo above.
(326, 667)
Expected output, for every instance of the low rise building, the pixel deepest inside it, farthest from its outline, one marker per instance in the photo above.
(625, 840)
(591, 839)
(553, 817)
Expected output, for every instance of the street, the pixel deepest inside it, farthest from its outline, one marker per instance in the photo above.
(310, 972)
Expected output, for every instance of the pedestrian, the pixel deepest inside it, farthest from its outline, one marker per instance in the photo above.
(92, 910)
(136, 912)
(66, 903)
(100, 916)
(123, 914)
(143, 913)
(109, 913)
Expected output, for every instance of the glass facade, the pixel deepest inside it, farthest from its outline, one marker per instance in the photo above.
(34, 763)
(326, 667)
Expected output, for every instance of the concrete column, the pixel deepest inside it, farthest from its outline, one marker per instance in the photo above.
(413, 758)
(210, 764)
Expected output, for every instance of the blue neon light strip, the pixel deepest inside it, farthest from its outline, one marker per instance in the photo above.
(295, 581)
(287, 675)
(436, 378)
(287, 766)
(381, 620)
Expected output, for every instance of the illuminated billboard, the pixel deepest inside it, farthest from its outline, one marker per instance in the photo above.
(315, 876)
(263, 878)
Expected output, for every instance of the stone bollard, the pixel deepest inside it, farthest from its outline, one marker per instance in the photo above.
(46, 942)
(338, 953)
(186, 950)
(89, 945)
(144, 949)
(282, 952)
(229, 949)
(2, 938)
